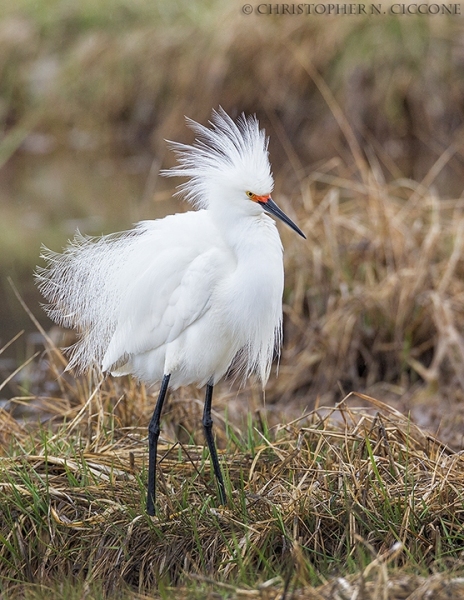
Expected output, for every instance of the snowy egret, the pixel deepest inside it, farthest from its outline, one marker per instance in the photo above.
(181, 299)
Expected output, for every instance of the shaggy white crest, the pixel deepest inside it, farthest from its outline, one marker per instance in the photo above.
(189, 294)
(229, 155)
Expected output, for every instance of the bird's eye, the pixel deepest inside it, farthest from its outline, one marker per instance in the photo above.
(249, 194)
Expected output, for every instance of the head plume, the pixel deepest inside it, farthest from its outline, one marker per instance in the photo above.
(230, 153)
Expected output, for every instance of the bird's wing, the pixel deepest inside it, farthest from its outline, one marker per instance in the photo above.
(132, 291)
(171, 293)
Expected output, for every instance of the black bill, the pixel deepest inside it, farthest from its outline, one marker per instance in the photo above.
(271, 207)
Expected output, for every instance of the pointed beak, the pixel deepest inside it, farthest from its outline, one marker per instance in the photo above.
(271, 207)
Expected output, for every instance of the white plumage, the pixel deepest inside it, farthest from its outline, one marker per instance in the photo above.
(188, 295)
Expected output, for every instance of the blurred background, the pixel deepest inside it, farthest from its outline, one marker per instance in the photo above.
(365, 115)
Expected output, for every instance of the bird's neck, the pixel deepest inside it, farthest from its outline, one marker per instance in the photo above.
(245, 234)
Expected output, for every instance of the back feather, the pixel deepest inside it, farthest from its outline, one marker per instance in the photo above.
(84, 286)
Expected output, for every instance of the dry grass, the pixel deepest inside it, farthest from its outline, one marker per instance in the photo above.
(375, 294)
(343, 500)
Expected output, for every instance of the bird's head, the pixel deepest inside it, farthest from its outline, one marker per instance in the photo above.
(228, 163)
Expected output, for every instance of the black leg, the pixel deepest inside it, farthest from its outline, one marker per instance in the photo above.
(153, 435)
(208, 427)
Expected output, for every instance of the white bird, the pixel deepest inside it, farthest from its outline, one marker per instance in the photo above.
(181, 299)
